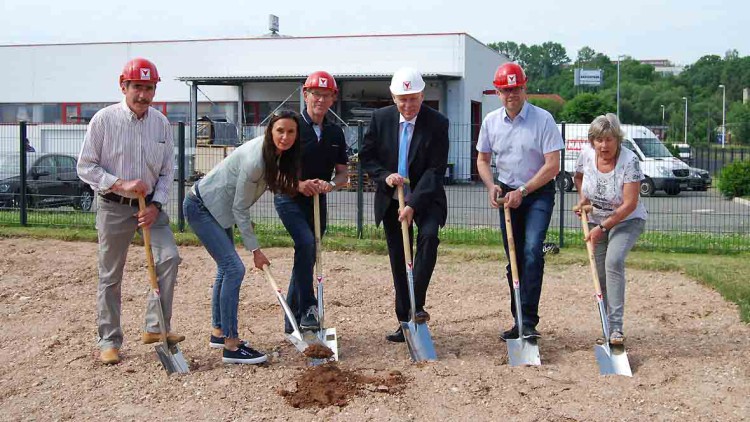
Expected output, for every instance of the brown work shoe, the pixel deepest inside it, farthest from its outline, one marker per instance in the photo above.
(172, 338)
(109, 356)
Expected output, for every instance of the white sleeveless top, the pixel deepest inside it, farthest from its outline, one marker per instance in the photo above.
(605, 190)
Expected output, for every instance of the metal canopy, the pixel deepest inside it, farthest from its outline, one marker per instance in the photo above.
(235, 80)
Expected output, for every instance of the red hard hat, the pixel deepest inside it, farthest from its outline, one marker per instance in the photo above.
(509, 75)
(140, 69)
(321, 80)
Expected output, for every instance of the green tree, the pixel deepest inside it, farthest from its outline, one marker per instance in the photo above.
(554, 107)
(509, 48)
(585, 107)
(738, 124)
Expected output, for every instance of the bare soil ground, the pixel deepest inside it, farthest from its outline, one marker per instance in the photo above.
(688, 349)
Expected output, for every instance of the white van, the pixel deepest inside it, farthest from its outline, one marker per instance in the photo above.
(684, 151)
(661, 169)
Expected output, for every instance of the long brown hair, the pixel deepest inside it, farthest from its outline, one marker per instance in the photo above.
(282, 171)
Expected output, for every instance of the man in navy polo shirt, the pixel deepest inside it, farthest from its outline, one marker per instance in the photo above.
(323, 156)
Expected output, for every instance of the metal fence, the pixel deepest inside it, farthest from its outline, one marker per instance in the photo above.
(692, 216)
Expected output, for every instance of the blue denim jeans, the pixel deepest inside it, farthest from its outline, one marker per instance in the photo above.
(230, 271)
(296, 213)
(530, 222)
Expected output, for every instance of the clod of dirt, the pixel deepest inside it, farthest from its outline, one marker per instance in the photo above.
(328, 385)
(318, 351)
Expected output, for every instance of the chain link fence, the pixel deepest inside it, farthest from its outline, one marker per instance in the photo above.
(39, 187)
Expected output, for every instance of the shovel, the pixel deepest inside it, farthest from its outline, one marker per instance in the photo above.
(326, 335)
(296, 336)
(170, 356)
(612, 360)
(521, 351)
(417, 336)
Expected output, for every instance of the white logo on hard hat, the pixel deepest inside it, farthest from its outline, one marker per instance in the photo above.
(512, 80)
(407, 85)
(323, 82)
(145, 74)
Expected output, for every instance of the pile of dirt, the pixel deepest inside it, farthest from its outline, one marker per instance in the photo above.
(328, 385)
(318, 351)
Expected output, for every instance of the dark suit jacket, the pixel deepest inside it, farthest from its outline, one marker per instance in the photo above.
(428, 159)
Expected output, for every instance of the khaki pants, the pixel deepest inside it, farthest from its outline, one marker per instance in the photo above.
(116, 226)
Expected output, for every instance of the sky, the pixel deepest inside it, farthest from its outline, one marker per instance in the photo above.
(680, 31)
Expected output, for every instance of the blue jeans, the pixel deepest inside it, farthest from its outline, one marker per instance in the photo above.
(530, 222)
(230, 271)
(296, 213)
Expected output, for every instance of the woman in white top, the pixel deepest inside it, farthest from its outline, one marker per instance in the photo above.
(608, 178)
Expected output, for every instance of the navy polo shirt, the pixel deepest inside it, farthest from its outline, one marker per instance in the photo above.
(320, 157)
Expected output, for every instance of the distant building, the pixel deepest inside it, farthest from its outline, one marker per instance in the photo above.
(664, 66)
(59, 87)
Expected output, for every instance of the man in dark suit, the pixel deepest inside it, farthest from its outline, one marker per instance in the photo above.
(408, 140)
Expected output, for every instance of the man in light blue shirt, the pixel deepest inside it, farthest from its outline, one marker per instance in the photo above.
(526, 144)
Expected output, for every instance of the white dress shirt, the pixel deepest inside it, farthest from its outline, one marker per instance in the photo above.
(119, 145)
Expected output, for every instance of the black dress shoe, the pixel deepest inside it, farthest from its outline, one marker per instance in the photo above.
(396, 337)
(421, 317)
(530, 332)
(511, 334)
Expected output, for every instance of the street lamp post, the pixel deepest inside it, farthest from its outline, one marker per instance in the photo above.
(618, 87)
(662, 114)
(723, 114)
(685, 98)
(620, 56)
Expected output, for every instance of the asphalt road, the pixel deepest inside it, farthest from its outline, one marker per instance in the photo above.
(468, 208)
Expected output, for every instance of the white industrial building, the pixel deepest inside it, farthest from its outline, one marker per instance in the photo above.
(58, 87)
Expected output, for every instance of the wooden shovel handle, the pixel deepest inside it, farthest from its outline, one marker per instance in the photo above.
(269, 277)
(589, 246)
(147, 245)
(511, 241)
(318, 250)
(404, 224)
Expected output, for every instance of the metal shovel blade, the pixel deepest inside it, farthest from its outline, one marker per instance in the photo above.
(172, 359)
(170, 356)
(612, 361)
(295, 337)
(523, 352)
(419, 341)
(326, 337)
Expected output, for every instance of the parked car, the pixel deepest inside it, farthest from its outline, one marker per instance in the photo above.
(51, 181)
(700, 179)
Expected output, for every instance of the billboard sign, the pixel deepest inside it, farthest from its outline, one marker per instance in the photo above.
(589, 77)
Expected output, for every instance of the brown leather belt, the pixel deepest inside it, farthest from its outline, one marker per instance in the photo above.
(133, 202)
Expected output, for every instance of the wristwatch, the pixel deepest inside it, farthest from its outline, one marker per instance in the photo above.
(157, 204)
(333, 184)
(523, 190)
(602, 228)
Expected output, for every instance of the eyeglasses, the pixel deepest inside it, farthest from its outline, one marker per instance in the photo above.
(321, 95)
(508, 91)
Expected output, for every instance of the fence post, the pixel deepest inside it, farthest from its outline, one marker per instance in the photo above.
(22, 169)
(360, 181)
(562, 190)
(180, 175)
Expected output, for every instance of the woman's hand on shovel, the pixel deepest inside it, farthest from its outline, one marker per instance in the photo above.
(259, 259)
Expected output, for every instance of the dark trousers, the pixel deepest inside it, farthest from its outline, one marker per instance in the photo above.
(530, 222)
(297, 215)
(424, 260)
